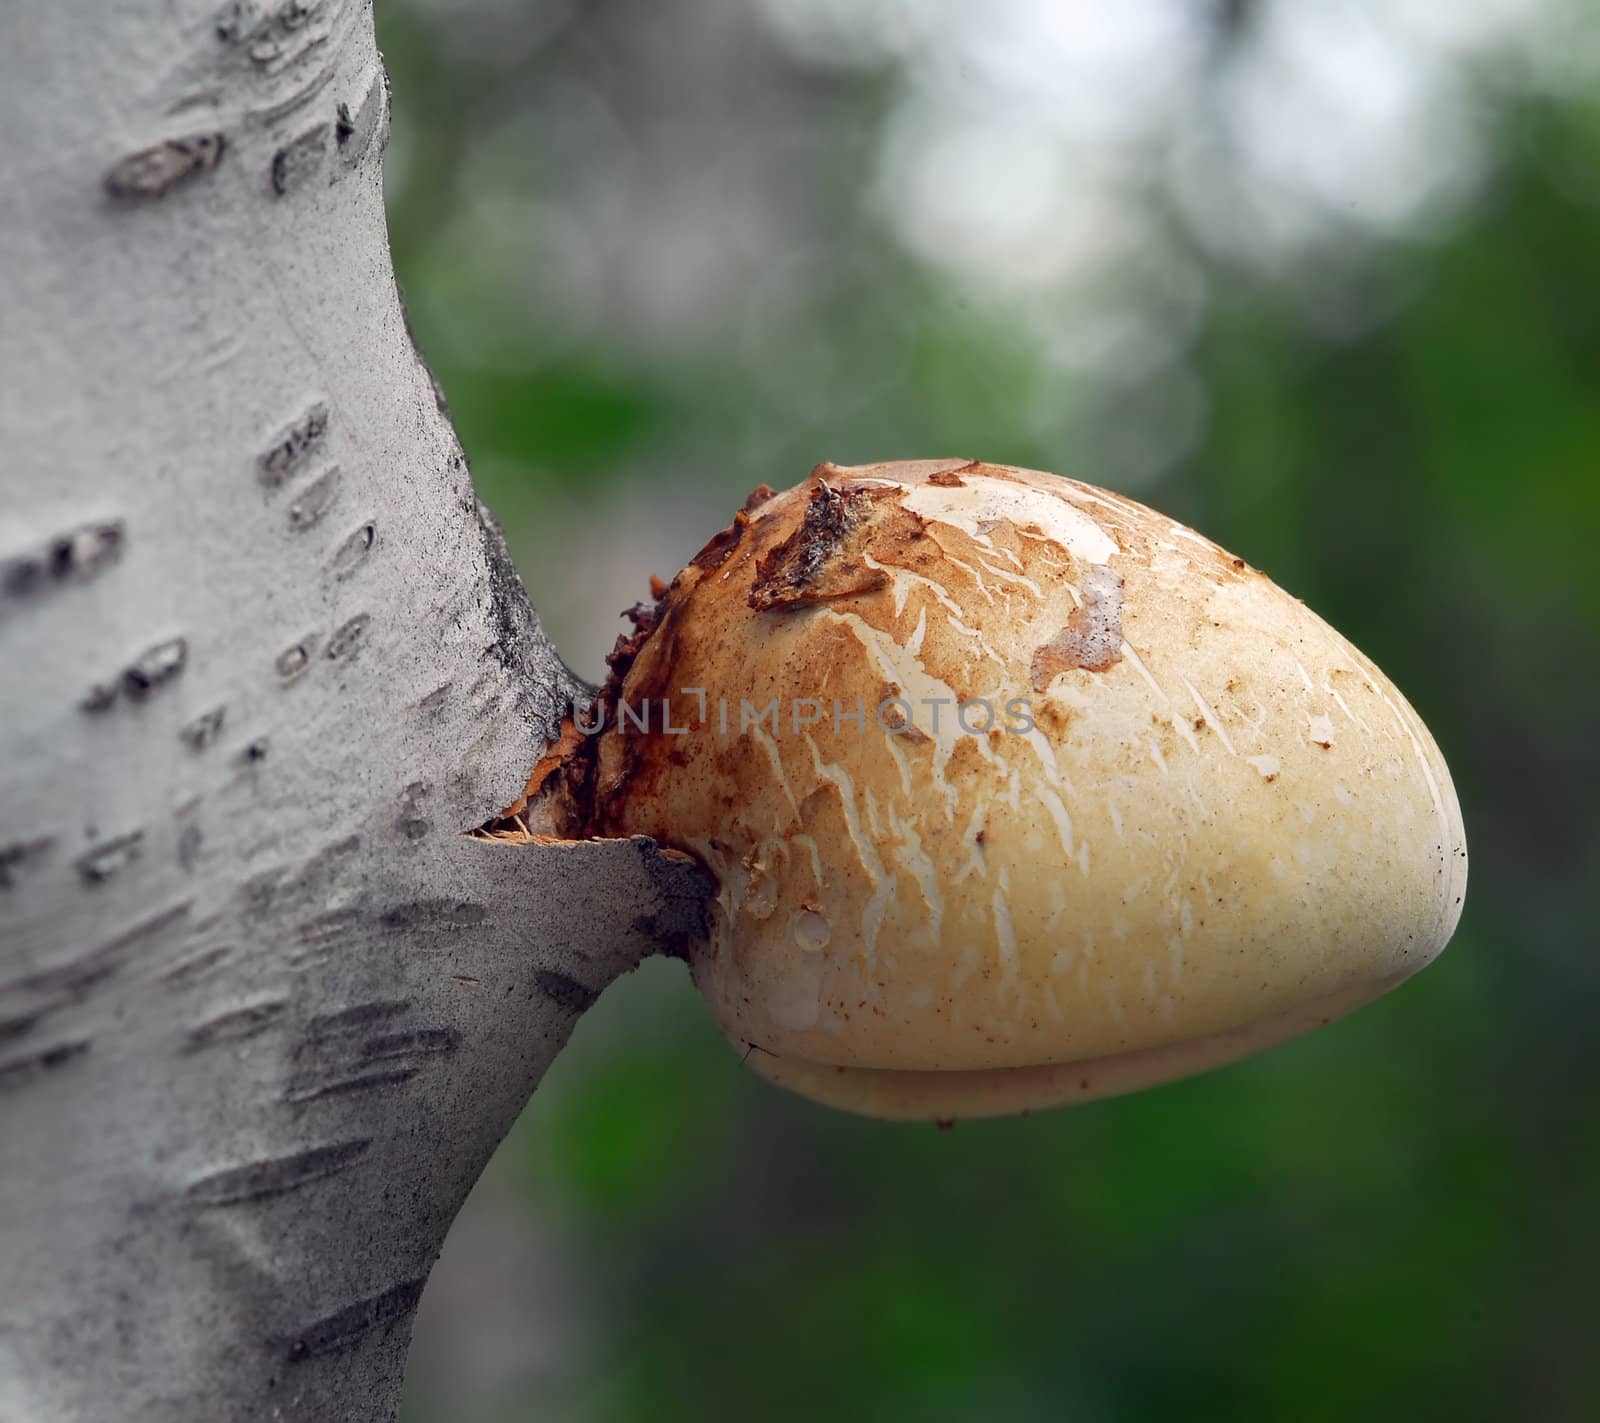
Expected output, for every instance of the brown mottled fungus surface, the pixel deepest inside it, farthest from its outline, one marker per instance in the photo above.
(1017, 791)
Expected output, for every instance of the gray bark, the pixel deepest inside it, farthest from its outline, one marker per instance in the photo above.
(265, 1009)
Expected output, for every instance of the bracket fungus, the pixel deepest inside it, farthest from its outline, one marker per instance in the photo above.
(1016, 793)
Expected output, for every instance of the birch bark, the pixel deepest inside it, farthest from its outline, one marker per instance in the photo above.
(265, 1010)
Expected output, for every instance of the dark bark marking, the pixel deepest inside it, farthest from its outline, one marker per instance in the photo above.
(312, 502)
(235, 1024)
(22, 1070)
(287, 889)
(190, 839)
(235, 20)
(19, 854)
(352, 553)
(340, 1053)
(299, 159)
(348, 639)
(13, 1028)
(326, 929)
(357, 1018)
(196, 966)
(274, 36)
(566, 993)
(292, 446)
(292, 663)
(204, 729)
(260, 22)
(155, 171)
(70, 982)
(411, 823)
(155, 666)
(105, 861)
(434, 703)
(259, 891)
(345, 1326)
(99, 697)
(76, 555)
(354, 131)
(417, 1042)
(307, 1091)
(434, 916)
(275, 1175)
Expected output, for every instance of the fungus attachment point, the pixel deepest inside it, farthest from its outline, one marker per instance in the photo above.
(1017, 793)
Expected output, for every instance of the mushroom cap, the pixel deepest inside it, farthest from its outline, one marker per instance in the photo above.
(1116, 808)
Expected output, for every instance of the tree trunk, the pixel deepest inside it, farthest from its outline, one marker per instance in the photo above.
(265, 1009)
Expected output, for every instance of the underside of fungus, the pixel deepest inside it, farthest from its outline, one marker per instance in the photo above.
(1015, 792)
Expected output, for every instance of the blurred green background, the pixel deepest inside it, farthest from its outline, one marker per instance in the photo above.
(1320, 278)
